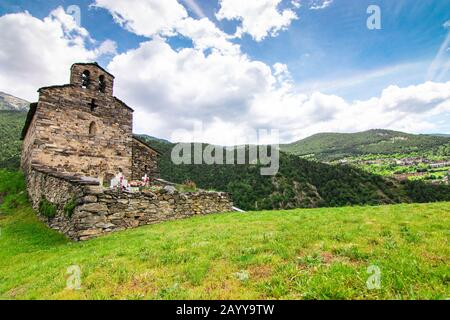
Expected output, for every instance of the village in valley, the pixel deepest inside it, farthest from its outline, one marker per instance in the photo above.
(433, 169)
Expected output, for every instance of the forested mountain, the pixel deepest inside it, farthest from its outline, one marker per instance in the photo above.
(12, 119)
(333, 146)
(11, 103)
(151, 138)
(11, 125)
(299, 183)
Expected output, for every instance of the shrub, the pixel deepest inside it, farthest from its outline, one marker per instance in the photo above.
(190, 184)
(47, 209)
(13, 201)
(11, 182)
(187, 186)
(12, 190)
(69, 207)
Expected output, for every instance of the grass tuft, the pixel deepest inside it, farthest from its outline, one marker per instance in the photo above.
(47, 209)
(69, 207)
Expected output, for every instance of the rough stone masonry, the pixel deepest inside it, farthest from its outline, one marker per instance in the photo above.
(79, 134)
(98, 211)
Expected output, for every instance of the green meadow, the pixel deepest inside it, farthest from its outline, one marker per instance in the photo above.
(297, 254)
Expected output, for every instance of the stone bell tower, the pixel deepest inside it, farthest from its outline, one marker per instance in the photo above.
(93, 78)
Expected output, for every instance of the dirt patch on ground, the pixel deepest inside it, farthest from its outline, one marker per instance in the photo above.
(15, 292)
(327, 257)
(260, 272)
(143, 283)
(433, 259)
(310, 261)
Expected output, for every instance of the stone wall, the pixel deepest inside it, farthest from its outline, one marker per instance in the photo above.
(145, 161)
(58, 190)
(100, 211)
(80, 131)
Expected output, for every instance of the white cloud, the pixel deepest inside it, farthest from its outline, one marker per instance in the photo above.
(280, 69)
(414, 99)
(282, 74)
(296, 4)
(145, 18)
(36, 53)
(187, 86)
(205, 35)
(320, 4)
(155, 18)
(108, 47)
(231, 95)
(260, 18)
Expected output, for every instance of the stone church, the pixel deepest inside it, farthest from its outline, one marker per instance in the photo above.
(81, 129)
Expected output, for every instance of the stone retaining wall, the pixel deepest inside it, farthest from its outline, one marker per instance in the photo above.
(98, 211)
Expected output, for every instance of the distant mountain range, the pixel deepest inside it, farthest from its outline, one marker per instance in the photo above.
(11, 103)
(299, 183)
(334, 146)
(441, 135)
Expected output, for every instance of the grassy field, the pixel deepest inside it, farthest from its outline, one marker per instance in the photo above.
(298, 254)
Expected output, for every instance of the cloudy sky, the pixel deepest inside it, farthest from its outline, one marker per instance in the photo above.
(234, 66)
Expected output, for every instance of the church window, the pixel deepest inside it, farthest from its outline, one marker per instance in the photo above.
(92, 129)
(85, 79)
(101, 83)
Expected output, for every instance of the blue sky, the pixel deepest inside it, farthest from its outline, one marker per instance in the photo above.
(329, 50)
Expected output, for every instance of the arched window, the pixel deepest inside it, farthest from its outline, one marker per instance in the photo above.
(101, 84)
(85, 79)
(92, 129)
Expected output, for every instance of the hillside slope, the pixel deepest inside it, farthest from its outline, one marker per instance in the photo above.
(11, 103)
(298, 254)
(332, 146)
(299, 183)
(11, 125)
